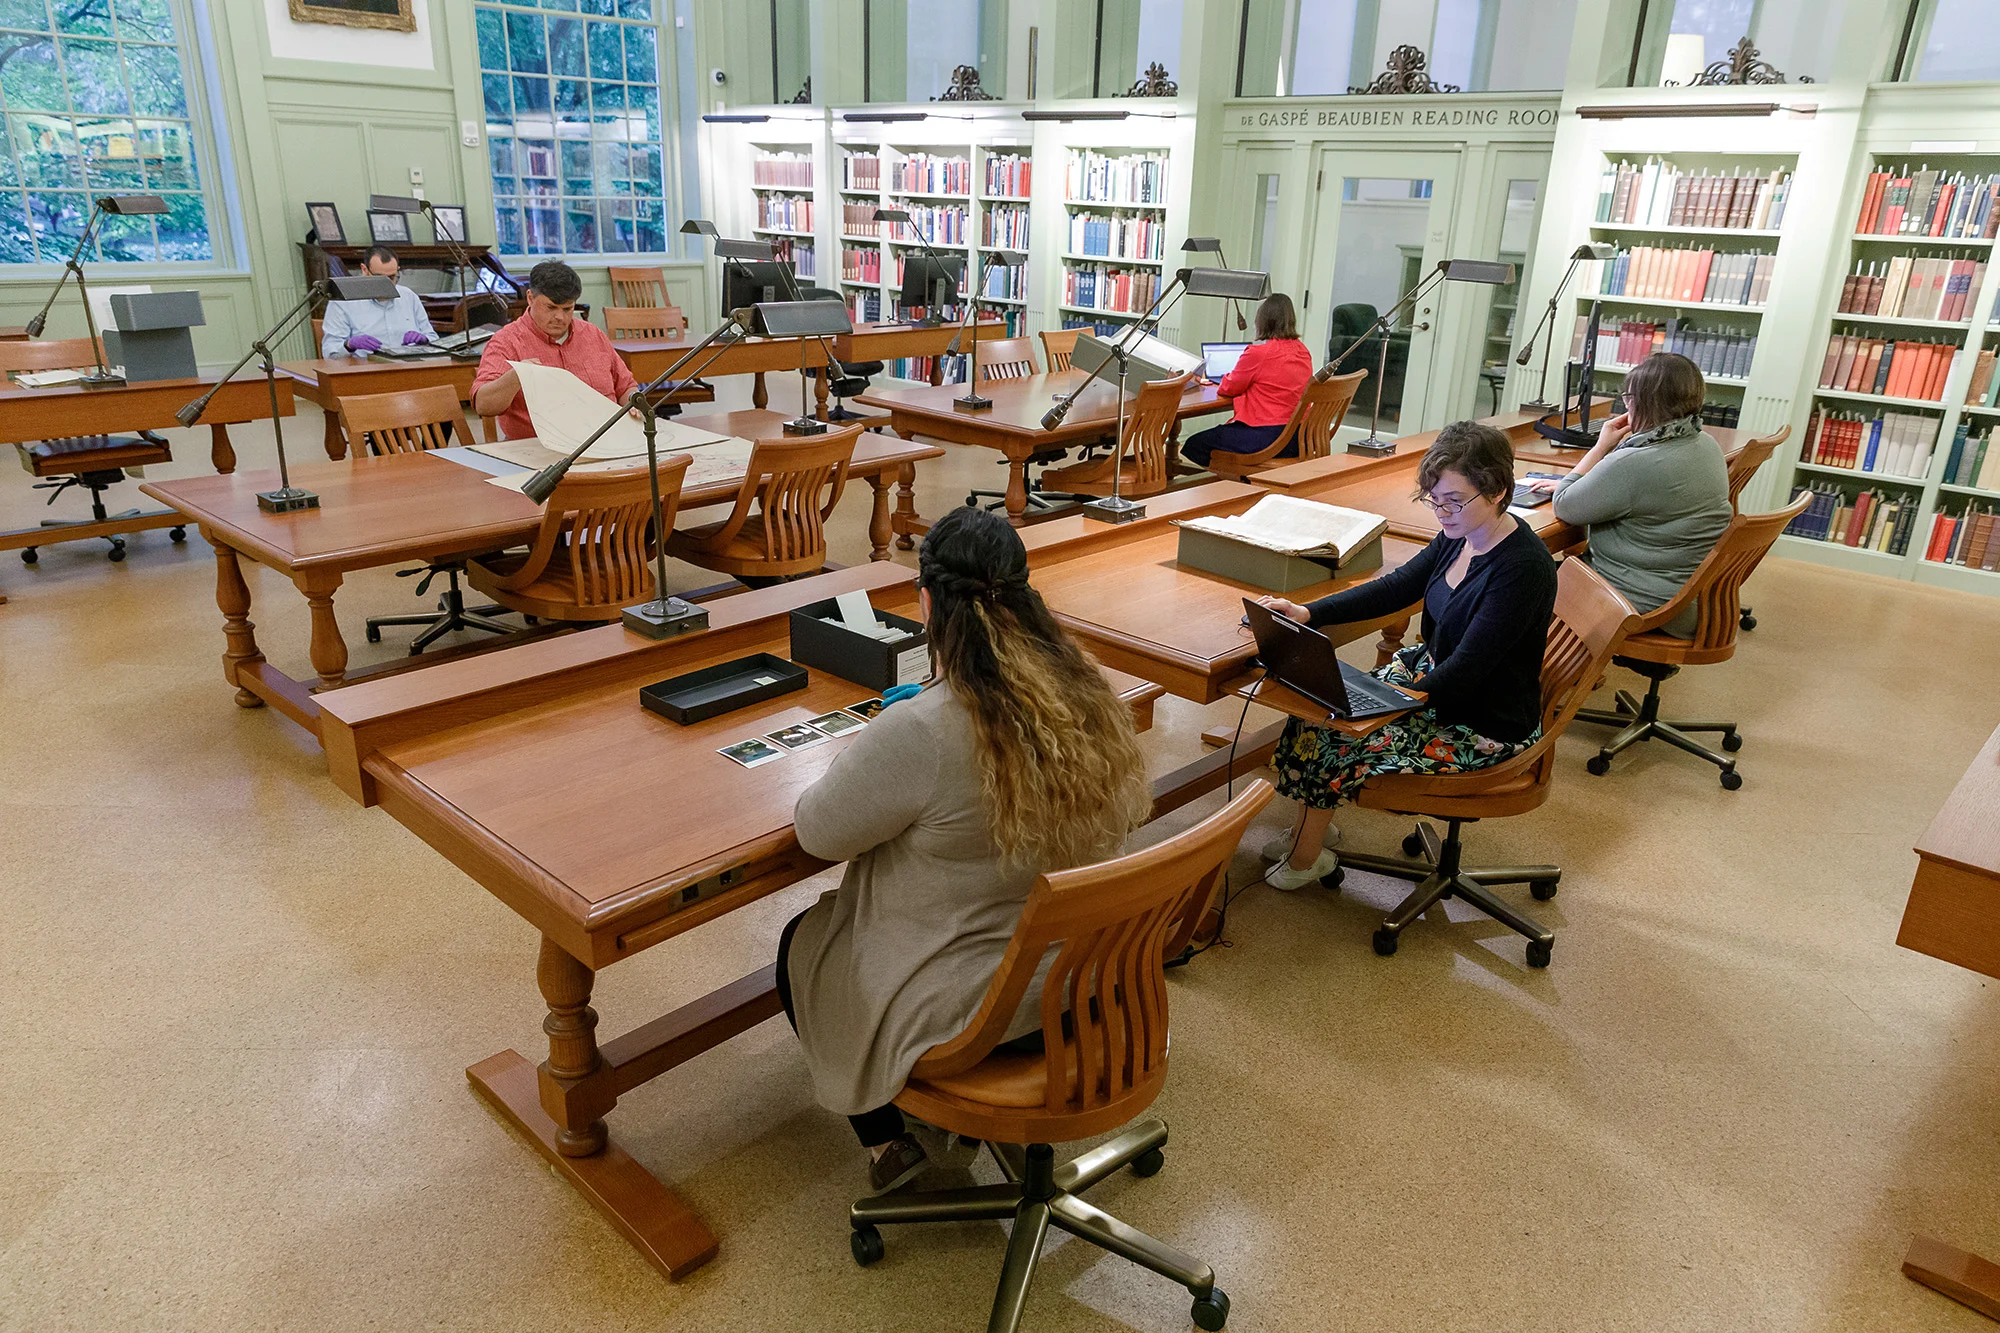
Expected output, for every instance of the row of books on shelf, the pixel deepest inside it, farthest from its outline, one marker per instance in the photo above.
(1671, 274)
(1659, 194)
(1910, 288)
(800, 254)
(1925, 202)
(1625, 343)
(920, 368)
(921, 173)
(1009, 174)
(1103, 328)
(859, 220)
(939, 224)
(1142, 237)
(1006, 282)
(1005, 226)
(1895, 444)
(1972, 460)
(860, 172)
(1123, 290)
(785, 212)
(861, 265)
(1129, 178)
(791, 171)
(1872, 520)
(1900, 369)
(1721, 414)
(865, 306)
(1971, 537)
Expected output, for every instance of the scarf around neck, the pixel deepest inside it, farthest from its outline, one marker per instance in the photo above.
(1677, 429)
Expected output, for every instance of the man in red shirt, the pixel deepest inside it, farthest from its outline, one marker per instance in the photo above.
(1266, 383)
(550, 334)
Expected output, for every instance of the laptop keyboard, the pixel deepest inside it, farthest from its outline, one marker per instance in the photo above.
(1362, 687)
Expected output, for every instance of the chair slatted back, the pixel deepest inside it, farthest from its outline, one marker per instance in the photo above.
(1059, 343)
(1321, 409)
(638, 286)
(52, 354)
(1751, 457)
(787, 479)
(478, 311)
(662, 323)
(409, 421)
(1116, 923)
(1154, 411)
(1006, 359)
(600, 523)
(1716, 586)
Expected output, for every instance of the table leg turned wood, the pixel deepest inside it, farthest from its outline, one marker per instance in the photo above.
(334, 442)
(760, 397)
(907, 521)
(1017, 491)
(220, 452)
(879, 531)
(328, 650)
(572, 1029)
(821, 377)
(1391, 642)
(239, 637)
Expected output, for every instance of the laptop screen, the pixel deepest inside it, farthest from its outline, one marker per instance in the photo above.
(1218, 359)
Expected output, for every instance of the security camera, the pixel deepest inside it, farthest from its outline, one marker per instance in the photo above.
(718, 77)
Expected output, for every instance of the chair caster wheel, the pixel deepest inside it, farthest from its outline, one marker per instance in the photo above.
(116, 553)
(1211, 1312)
(1732, 742)
(29, 555)
(1385, 942)
(971, 502)
(1543, 889)
(1538, 953)
(374, 634)
(866, 1242)
(1148, 1163)
(177, 535)
(1598, 765)
(1413, 844)
(1731, 779)
(1748, 621)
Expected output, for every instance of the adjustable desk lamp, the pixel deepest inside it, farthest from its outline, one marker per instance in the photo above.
(400, 203)
(1206, 245)
(1546, 324)
(289, 498)
(1235, 284)
(1448, 270)
(117, 205)
(972, 400)
(940, 272)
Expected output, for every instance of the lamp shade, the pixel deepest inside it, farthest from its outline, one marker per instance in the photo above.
(1203, 245)
(395, 203)
(362, 287)
(132, 205)
(1008, 257)
(1595, 250)
(802, 319)
(1478, 270)
(892, 215)
(753, 250)
(699, 227)
(1239, 284)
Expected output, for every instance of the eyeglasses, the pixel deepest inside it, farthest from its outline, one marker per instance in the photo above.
(1445, 508)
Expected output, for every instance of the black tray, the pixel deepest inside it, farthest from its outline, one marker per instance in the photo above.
(713, 691)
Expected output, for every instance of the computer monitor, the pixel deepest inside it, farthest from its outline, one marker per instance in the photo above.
(931, 282)
(747, 284)
(1218, 359)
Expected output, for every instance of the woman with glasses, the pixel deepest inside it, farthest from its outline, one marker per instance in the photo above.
(1488, 588)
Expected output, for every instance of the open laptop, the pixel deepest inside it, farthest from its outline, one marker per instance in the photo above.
(1218, 359)
(1303, 660)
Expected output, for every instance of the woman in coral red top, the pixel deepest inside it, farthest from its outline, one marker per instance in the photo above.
(1265, 385)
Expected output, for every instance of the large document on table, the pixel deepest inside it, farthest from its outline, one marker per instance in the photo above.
(565, 410)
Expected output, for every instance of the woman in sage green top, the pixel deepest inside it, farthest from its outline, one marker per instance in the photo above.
(1653, 491)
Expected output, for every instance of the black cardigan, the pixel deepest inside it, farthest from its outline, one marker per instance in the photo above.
(1486, 649)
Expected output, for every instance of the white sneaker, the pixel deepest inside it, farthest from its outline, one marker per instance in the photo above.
(1280, 847)
(1283, 878)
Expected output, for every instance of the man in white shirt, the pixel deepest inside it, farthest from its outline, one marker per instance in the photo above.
(356, 328)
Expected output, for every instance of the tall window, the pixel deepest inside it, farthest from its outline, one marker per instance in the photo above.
(1953, 41)
(95, 96)
(1681, 39)
(573, 125)
(1310, 48)
(914, 45)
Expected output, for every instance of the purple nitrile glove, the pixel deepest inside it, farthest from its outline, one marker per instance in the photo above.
(361, 342)
(413, 337)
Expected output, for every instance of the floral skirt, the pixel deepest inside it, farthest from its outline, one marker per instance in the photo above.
(1321, 768)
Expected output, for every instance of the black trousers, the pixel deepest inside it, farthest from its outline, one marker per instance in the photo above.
(873, 1128)
(1231, 437)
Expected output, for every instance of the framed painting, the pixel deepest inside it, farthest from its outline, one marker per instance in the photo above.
(448, 220)
(395, 15)
(325, 220)
(386, 228)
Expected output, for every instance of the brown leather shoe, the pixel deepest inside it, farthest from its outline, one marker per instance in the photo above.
(898, 1165)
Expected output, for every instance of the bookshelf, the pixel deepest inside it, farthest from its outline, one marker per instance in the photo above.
(1698, 237)
(1910, 317)
(1114, 235)
(784, 190)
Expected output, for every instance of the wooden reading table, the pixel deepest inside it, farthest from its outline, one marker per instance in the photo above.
(63, 410)
(401, 507)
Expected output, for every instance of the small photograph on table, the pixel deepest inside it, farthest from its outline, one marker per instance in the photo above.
(836, 724)
(867, 709)
(800, 737)
(751, 753)
(325, 219)
(388, 228)
(448, 221)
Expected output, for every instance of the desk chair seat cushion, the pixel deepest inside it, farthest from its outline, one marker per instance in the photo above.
(553, 596)
(1672, 650)
(76, 454)
(741, 554)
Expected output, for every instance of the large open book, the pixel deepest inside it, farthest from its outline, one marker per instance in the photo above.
(1291, 526)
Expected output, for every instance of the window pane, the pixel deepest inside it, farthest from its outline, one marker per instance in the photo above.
(168, 152)
(635, 9)
(31, 16)
(110, 155)
(154, 74)
(17, 241)
(525, 43)
(566, 46)
(492, 40)
(1960, 43)
(641, 55)
(90, 19)
(1796, 36)
(127, 240)
(576, 167)
(47, 151)
(614, 225)
(1309, 48)
(184, 229)
(499, 106)
(531, 95)
(145, 20)
(607, 58)
(95, 81)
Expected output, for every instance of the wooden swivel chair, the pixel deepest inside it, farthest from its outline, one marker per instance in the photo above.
(1114, 925)
(94, 462)
(1059, 343)
(1743, 467)
(646, 287)
(1012, 359)
(778, 526)
(1590, 619)
(413, 421)
(1321, 409)
(1716, 589)
(593, 555)
(640, 323)
(1149, 422)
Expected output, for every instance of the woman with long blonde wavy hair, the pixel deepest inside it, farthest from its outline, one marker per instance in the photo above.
(1019, 759)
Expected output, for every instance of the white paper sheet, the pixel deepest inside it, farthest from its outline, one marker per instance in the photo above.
(725, 460)
(1292, 526)
(565, 410)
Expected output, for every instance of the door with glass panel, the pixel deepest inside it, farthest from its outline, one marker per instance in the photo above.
(1483, 324)
(1382, 222)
